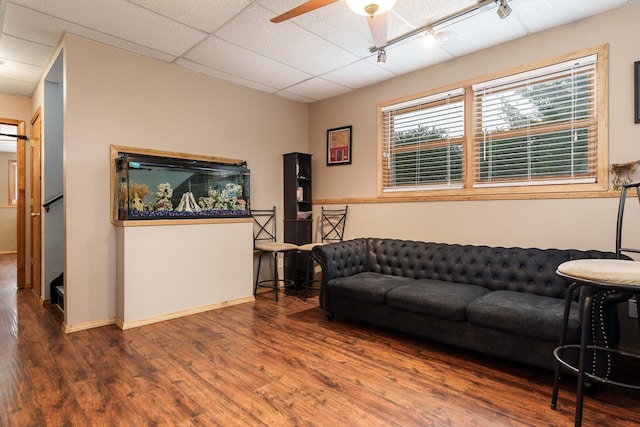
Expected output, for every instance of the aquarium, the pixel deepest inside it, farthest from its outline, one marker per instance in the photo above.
(150, 186)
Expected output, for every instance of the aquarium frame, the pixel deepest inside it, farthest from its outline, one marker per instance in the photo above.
(117, 150)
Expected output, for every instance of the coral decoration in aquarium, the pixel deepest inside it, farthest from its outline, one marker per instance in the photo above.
(159, 187)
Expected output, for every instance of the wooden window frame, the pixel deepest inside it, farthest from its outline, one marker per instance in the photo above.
(468, 192)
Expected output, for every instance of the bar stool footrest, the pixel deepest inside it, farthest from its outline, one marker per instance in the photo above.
(557, 353)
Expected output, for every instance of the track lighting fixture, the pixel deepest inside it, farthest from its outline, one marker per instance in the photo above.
(434, 29)
(430, 37)
(433, 37)
(503, 8)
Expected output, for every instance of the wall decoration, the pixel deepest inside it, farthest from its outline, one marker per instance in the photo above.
(622, 173)
(636, 91)
(339, 146)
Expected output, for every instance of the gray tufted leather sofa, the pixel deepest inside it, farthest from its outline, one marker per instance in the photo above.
(506, 302)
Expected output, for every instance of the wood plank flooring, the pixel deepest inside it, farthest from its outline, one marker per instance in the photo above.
(266, 363)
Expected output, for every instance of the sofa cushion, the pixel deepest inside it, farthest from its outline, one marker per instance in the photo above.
(520, 313)
(366, 287)
(435, 298)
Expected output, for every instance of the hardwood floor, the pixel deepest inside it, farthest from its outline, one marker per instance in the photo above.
(266, 363)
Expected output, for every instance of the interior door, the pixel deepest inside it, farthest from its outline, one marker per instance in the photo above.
(36, 203)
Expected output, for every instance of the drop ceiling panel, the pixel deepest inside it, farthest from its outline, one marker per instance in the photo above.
(544, 14)
(47, 30)
(338, 25)
(24, 51)
(224, 76)
(317, 88)
(284, 42)
(414, 54)
(417, 13)
(359, 74)
(204, 15)
(294, 97)
(223, 56)
(483, 31)
(20, 71)
(122, 19)
(31, 25)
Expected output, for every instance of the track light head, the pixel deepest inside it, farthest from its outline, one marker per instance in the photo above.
(504, 9)
(382, 56)
(430, 37)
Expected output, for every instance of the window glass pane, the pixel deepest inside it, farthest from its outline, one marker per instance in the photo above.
(425, 144)
(538, 130)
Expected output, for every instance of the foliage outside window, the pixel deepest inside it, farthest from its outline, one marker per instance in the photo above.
(426, 142)
(534, 131)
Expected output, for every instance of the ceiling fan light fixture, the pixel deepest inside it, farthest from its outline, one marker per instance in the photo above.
(370, 7)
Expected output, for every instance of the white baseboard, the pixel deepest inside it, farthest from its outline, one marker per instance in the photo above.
(87, 325)
(176, 314)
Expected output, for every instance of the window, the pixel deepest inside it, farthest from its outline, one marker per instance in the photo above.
(425, 142)
(537, 127)
(13, 182)
(541, 129)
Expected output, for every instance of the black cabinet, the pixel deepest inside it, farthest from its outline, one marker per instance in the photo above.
(297, 186)
(297, 212)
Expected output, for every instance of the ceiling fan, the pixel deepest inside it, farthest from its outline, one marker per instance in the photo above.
(374, 10)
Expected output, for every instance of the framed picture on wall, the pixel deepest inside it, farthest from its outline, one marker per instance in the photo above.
(636, 91)
(339, 146)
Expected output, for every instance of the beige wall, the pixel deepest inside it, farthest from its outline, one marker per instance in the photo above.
(577, 223)
(114, 97)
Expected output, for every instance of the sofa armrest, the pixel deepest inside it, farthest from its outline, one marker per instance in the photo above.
(339, 259)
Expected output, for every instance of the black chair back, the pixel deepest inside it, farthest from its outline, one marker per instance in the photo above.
(623, 199)
(264, 225)
(333, 224)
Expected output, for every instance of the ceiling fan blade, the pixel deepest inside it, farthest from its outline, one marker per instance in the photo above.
(303, 8)
(378, 27)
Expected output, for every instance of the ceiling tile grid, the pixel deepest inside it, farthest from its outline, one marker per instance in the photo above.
(284, 42)
(359, 74)
(317, 55)
(223, 56)
(203, 15)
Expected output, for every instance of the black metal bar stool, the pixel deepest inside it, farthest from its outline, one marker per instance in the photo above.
(265, 242)
(332, 224)
(591, 276)
(596, 279)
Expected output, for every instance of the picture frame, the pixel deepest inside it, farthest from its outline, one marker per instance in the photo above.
(636, 91)
(339, 146)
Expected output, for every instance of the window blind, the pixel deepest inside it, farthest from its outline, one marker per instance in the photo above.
(422, 143)
(538, 127)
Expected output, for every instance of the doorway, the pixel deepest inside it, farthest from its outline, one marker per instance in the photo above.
(15, 196)
(8, 187)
